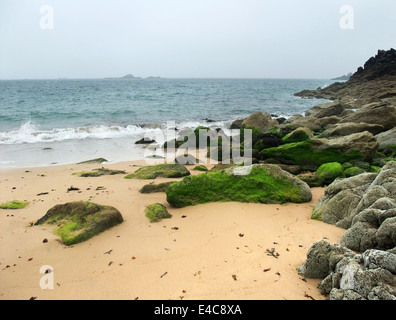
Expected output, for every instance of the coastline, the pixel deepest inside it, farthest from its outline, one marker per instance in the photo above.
(213, 243)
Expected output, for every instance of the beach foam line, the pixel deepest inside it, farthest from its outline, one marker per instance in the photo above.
(29, 132)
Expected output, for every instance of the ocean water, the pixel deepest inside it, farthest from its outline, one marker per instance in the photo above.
(47, 122)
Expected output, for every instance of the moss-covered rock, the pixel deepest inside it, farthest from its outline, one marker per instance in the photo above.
(347, 165)
(312, 180)
(264, 184)
(353, 171)
(266, 140)
(363, 165)
(303, 153)
(156, 212)
(316, 215)
(386, 160)
(15, 204)
(160, 170)
(359, 146)
(330, 171)
(79, 221)
(201, 167)
(153, 188)
(221, 167)
(298, 135)
(375, 169)
(99, 172)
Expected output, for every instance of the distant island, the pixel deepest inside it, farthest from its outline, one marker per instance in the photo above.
(132, 77)
(344, 77)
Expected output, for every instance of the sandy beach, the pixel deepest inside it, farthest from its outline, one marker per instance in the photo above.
(213, 251)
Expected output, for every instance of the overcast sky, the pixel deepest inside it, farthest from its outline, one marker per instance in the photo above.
(191, 38)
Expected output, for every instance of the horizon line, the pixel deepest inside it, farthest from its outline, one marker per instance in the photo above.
(170, 78)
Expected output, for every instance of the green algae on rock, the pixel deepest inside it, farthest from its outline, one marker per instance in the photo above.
(160, 170)
(201, 167)
(99, 172)
(12, 205)
(81, 220)
(153, 188)
(330, 171)
(358, 146)
(353, 171)
(265, 183)
(156, 212)
(302, 153)
(298, 135)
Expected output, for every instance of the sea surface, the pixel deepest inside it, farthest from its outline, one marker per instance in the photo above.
(48, 122)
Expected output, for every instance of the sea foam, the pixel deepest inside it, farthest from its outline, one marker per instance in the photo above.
(30, 133)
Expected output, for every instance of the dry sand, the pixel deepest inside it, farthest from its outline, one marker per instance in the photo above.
(213, 251)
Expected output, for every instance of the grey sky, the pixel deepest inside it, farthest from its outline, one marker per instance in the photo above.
(185, 38)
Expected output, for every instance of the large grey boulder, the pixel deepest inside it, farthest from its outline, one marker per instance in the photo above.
(297, 121)
(362, 142)
(346, 201)
(259, 120)
(374, 218)
(386, 138)
(341, 198)
(380, 113)
(343, 129)
(326, 109)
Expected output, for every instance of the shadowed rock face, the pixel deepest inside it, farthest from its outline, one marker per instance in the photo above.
(79, 221)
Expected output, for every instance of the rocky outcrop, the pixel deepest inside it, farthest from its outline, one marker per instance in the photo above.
(374, 218)
(372, 83)
(363, 266)
(362, 203)
(351, 276)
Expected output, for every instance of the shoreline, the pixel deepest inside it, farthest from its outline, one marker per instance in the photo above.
(212, 243)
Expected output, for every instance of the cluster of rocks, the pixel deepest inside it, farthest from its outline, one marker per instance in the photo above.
(364, 265)
(348, 275)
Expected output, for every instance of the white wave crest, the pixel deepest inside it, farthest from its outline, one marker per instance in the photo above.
(29, 133)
